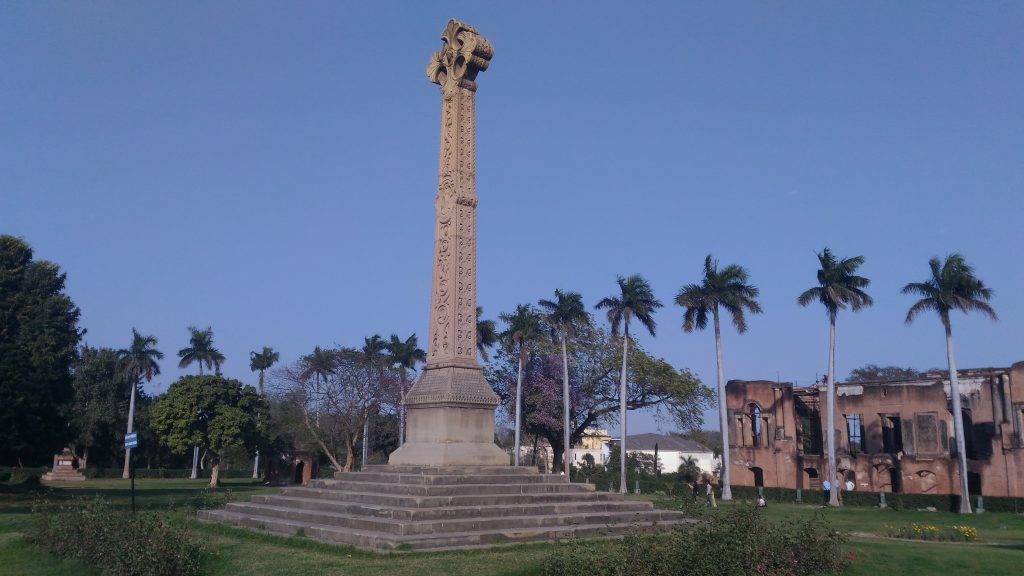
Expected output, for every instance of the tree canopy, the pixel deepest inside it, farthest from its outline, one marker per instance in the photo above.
(214, 412)
(674, 395)
(874, 372)
(39, 338)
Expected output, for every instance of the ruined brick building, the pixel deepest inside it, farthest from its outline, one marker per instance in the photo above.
(891, 436)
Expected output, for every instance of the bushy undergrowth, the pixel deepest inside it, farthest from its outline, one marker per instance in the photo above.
(740, 542)
(120, 543)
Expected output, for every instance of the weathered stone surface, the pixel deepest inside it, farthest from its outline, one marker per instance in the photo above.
(422, 508)
(64, 468)
(451, 406)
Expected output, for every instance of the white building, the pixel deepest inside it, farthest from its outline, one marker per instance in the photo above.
(673, 451)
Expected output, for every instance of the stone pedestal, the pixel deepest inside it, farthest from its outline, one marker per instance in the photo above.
(64, 468)
(451, 407)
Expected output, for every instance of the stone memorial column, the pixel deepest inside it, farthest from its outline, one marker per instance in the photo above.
(451, 406)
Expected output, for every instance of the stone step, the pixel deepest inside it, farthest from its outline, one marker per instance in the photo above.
(483, 538)
(408, 527)
(448, 479)
(453, 489)
(412, 501)
(453, 512)
(451, 470)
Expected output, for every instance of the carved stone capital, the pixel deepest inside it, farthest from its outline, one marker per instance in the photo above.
(464, 54)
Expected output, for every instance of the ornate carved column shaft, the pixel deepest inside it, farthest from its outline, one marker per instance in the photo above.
(451, 406)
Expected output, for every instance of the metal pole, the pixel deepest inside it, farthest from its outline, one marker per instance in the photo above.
(131, 463)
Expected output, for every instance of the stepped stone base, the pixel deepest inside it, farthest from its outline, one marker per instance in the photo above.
(433, 508)
(64, 474)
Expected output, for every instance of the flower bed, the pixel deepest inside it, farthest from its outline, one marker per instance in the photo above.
(915, 531)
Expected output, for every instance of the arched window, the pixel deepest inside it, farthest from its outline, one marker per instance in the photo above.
(755, 425)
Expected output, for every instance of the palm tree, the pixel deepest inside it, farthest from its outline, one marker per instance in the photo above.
(318, 364)
(406, 354)
(261, 361)
(564, 314)
(838, 287)
(726, 289)
(200, 350)
(522, 327)
(636, 299)
(952, 286)
(137, 362)
(486, 334)
(373, 348)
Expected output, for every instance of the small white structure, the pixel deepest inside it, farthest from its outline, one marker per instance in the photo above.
(673, 451)
(594, 442)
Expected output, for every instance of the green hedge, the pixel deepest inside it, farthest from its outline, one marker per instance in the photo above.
(162, 473)
(896, 501)
(15, 475)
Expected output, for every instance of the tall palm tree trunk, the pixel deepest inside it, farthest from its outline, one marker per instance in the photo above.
(131, 419)
(723, 414)
(195, 462)
(565, 408)
(830, 394)
(622, 414)
(366, 435)
(519, 405)
(958, 420)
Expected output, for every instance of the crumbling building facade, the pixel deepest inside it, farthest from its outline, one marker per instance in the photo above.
(891, 436)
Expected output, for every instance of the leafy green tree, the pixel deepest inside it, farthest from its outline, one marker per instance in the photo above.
(138, 362)
(406, 354)
(99, 395)
(839, 286)
(635, 299)
(673, 396)
(952, 286)
(523, 326)
(39, 339)
(261, 362)
(486, 334)
(726, 289)
(214, 412)
(564, 314)
(200, 351)
(874, 373)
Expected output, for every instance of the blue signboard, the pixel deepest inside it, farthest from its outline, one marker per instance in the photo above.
(131, 440)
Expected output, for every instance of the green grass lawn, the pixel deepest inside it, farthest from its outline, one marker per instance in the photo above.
(1000, 549)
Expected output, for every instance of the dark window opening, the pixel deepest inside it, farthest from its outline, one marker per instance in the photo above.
(758, 476)
(974, 483)
(299, 469)
(969, 444)
(813, 481)
(855, 433)
(809, 423)
(892, 434)
(894, 479)
(755, 425)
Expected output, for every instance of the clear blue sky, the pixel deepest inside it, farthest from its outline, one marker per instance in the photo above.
(269, 169)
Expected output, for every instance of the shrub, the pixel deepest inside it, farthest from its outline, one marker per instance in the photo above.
(120, 543)
(736, 543)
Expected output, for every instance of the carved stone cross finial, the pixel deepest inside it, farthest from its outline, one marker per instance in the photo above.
(465, 53)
